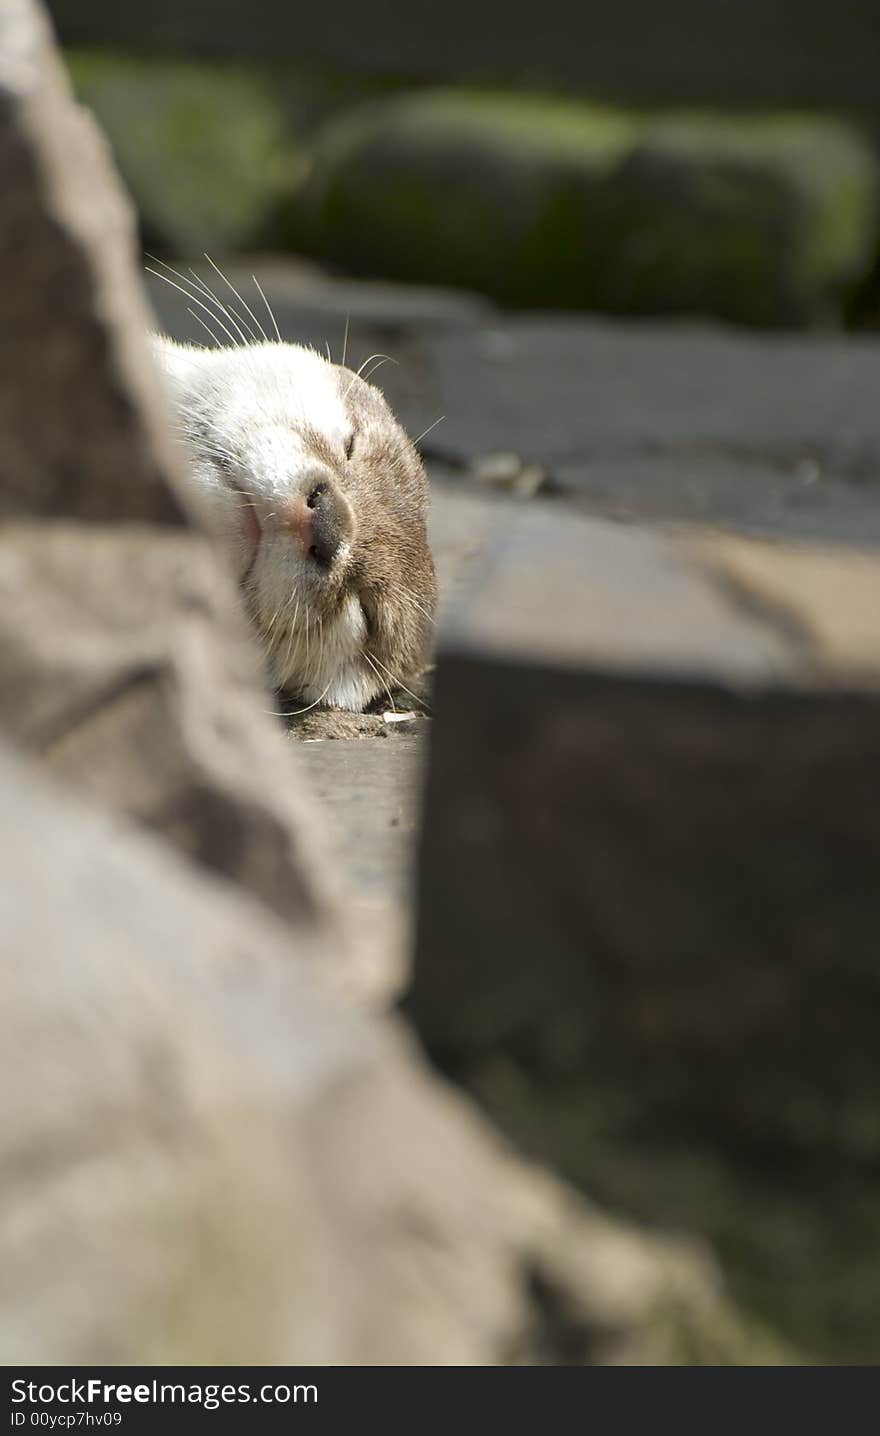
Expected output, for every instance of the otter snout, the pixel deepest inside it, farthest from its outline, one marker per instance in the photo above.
(320, 522)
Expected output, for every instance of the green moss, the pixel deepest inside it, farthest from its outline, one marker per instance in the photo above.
(461, 189)
(534, 201)
(204, 149)
(523, 126)
(771, 220)
(767, 219)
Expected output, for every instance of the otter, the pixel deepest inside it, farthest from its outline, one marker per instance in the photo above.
(320, 500)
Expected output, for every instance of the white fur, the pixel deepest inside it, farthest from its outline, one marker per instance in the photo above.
(250, 403)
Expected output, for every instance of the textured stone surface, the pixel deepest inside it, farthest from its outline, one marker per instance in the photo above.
(569, 594)
(574, 391)
(126, 669)
(648, 910)
(128, 674)
(706, 51)
(783, 497)
(78, 403)
(205, 1160)
(774, 436)
(831, 602)
(767, 220)
(370, 790)
(368, 787)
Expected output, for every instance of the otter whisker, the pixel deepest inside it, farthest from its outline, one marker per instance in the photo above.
(249, 503)
(427, 431)
(222, 454)
(208, 293)
(384, 358)
(218, 343)
(297, 711)
(185, 292)
(322, 647)
(294, 634)
(218, 454)
(370, 359)
(163, 264)
(205, 446)
(240, 297)
(274, 619)
(268, 308)
(378, 365)
(227, 310)
(396, 681)
(382, 680)
(284, 607)
(413, 601)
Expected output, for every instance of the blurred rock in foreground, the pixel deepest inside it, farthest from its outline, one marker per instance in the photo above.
(648, 904)
(126, 668)
(206, 1160)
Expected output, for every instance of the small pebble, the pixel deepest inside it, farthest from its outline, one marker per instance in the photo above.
(508, 473)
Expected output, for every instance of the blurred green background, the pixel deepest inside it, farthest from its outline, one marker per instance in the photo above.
(695, 158)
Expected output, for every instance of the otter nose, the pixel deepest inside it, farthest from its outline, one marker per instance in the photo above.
(318, 522)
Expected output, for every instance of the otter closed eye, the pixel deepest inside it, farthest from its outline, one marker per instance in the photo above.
(319, 497)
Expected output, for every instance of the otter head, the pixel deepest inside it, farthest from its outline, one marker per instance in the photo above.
(322, 503)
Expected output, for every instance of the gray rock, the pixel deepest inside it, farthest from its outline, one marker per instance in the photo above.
(648, 909)
(126, 667)
(784, 498)
(564, 391)
(370, 789)
(206, 1160)
(78, 401)
(506, 473)
(657, 423)
(574, 595)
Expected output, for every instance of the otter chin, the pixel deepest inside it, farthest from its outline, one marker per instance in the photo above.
(321, 502)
